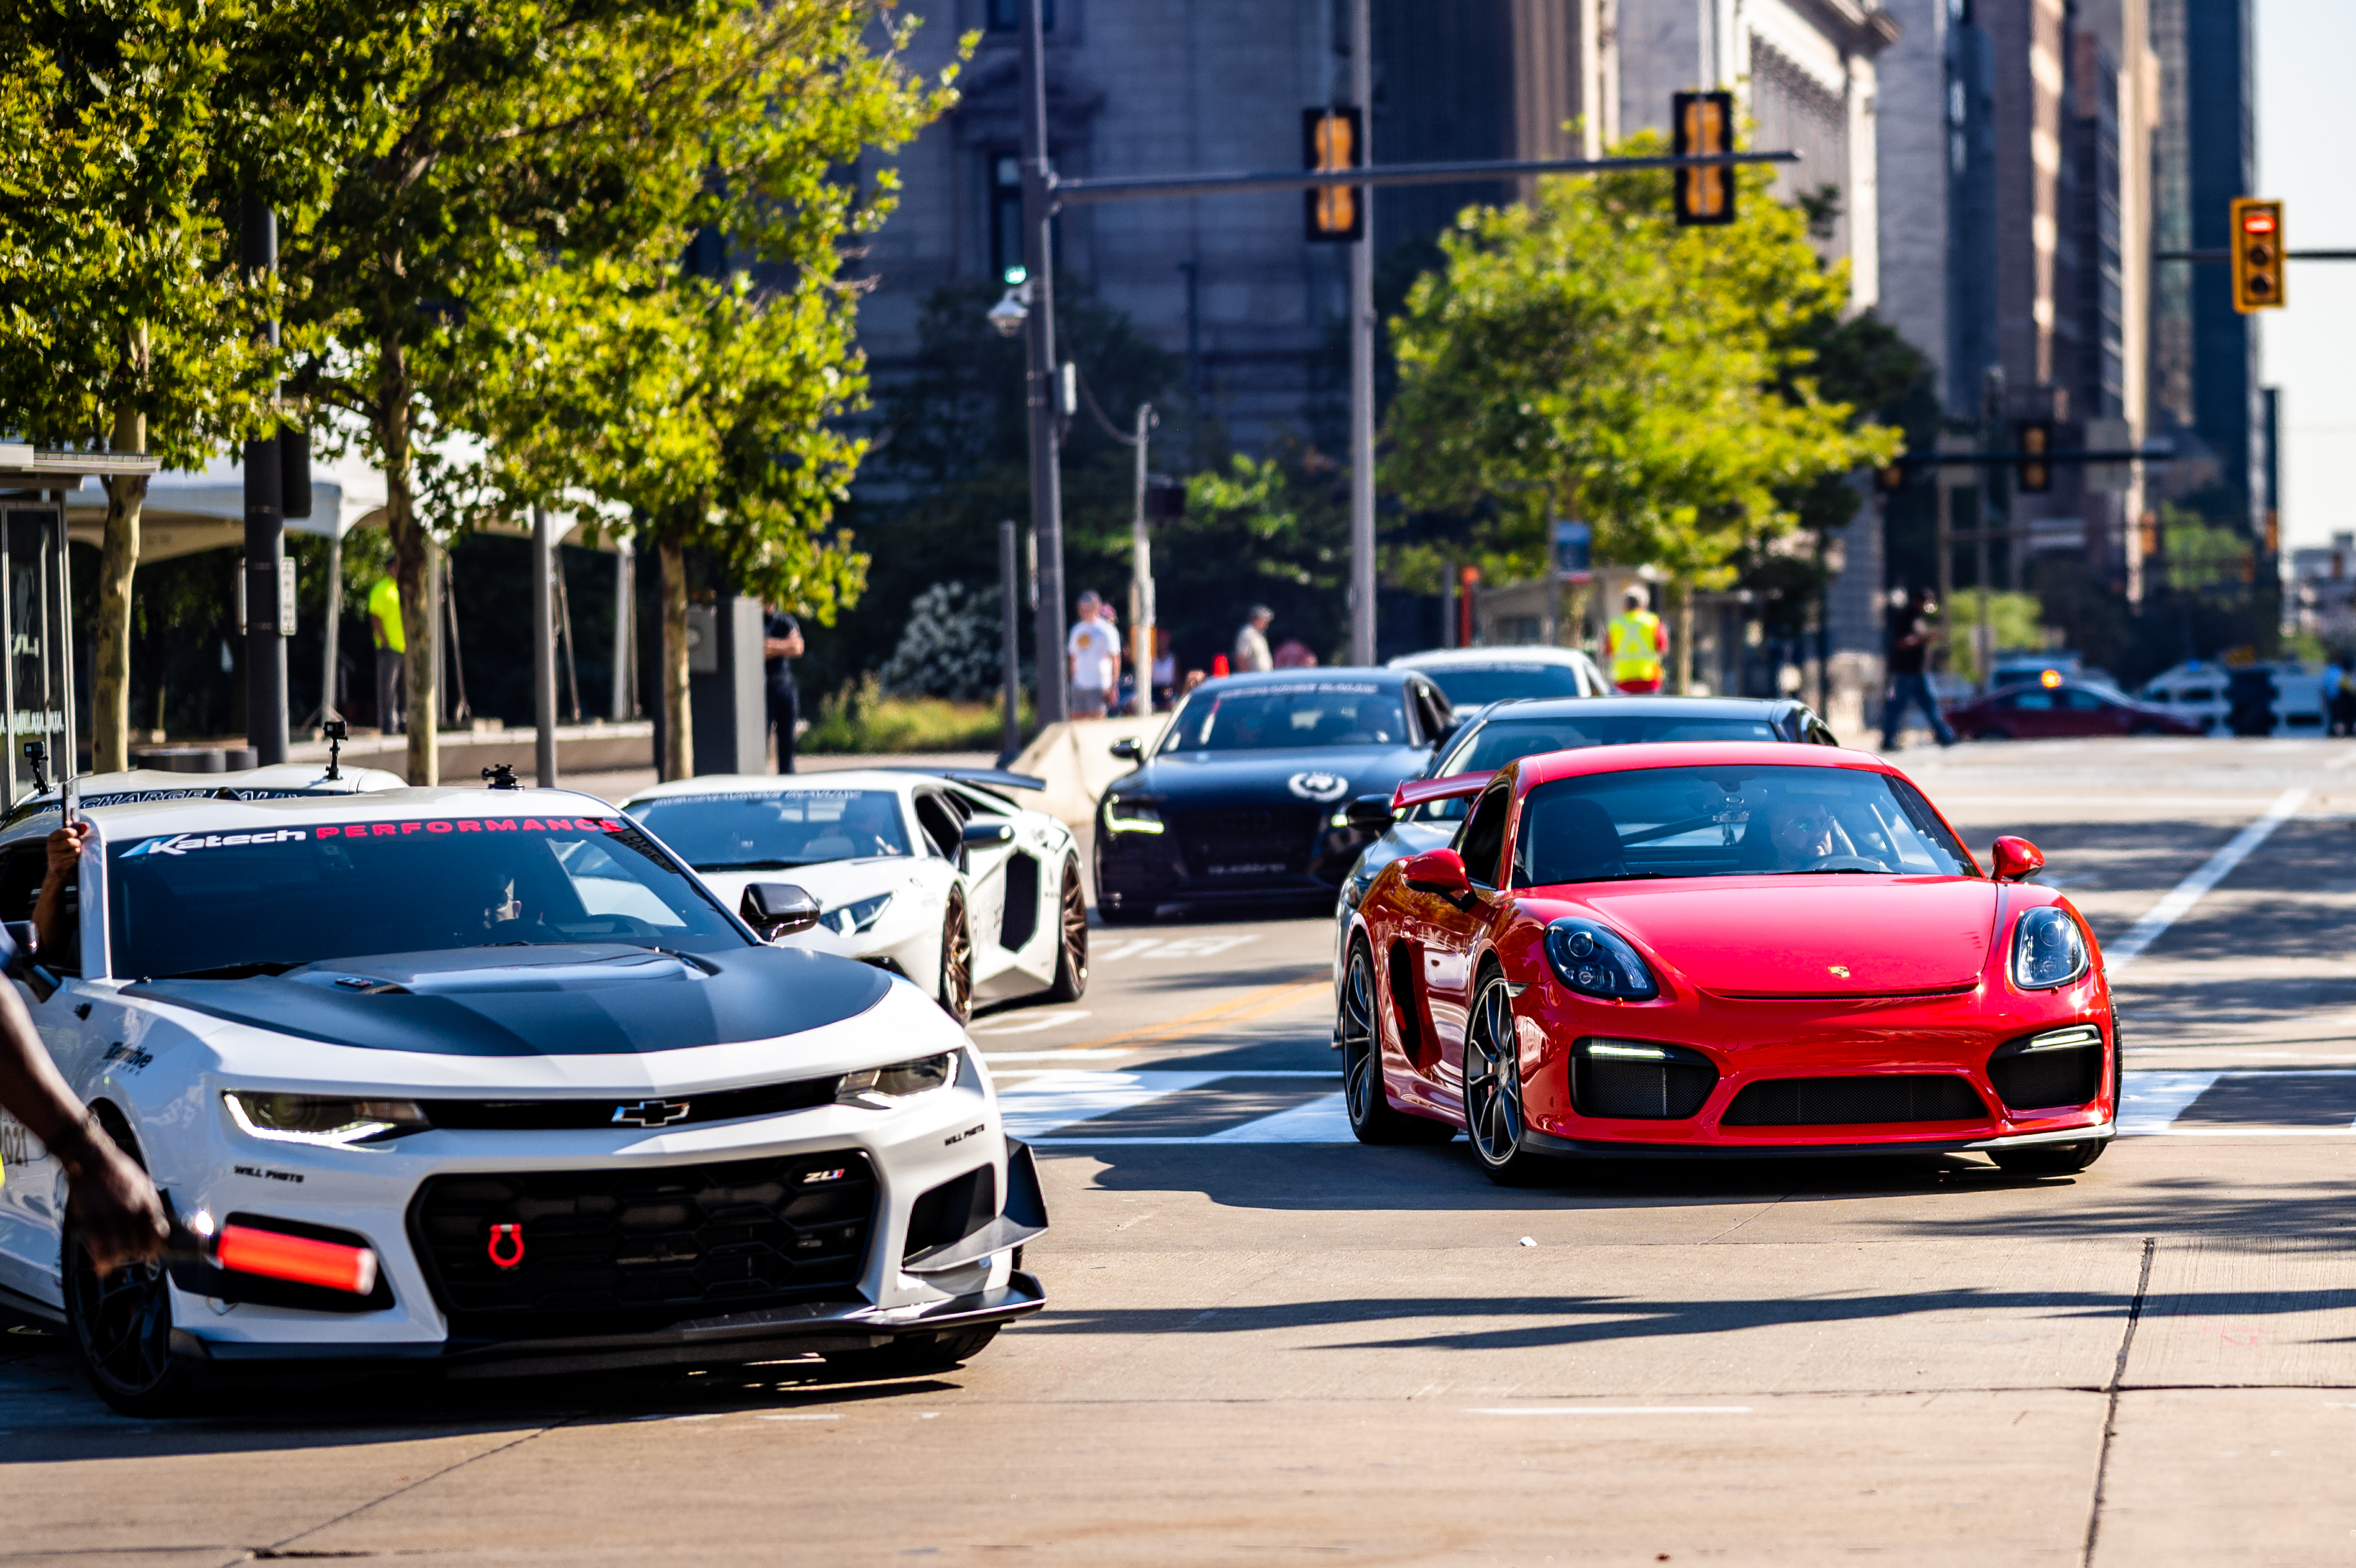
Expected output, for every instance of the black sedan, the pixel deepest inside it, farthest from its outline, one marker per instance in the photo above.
(1243, 800)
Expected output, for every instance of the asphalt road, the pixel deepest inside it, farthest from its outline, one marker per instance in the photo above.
(1268, 1346)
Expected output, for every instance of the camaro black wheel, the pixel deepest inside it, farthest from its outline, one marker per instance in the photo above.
(956, 963)
(1493, 1088)
(1373, 1118)
(2049, 1159)
(914, 1353)
(1072, 946)
(121, 1323)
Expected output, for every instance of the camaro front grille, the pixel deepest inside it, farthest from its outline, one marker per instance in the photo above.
(550, 1253)
(1842, 1101)
(1264, 842)
(636, 1110)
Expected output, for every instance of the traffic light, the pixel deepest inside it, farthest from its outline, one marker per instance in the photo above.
(2257, 254)
(1331, 139)
(2033, 439)
(1704, 123)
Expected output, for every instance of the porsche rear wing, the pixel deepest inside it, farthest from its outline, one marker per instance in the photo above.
(1455, 786)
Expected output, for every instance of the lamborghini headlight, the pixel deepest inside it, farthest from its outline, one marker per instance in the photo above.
(2049, 951)
(876, 1085)
(848, 919)
(321, 1119)
(1123, 816)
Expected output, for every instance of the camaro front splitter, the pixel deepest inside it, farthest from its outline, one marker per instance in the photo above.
(1589, 1149)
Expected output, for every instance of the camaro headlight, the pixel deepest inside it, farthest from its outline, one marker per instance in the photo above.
(871, 1084)
(322, 1119)
(2048, 950)
(1132, 816)
(848, 919)
(1591, 957)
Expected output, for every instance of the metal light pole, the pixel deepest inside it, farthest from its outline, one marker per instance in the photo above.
(1039, 379)
(543, 647)
(1010, 653)
(1141, 579)
(266, 533)
(1361, 351)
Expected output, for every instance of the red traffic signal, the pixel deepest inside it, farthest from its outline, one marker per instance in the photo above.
(2257, 255)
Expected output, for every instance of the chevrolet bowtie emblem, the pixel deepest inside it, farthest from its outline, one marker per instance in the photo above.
(1841, 970)
(649, 1114)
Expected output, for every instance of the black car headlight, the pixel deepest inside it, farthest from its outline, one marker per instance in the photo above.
(2049, 951)
(1122, 815)
(1591, 957)
(873, 1085)
(330, 1121)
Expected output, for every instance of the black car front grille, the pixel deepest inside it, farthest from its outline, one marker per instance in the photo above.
(629, 1249)
(1262, 841)
(1671, 1086)
(1840, 1102)
(2059, 1068)
(660, 1111)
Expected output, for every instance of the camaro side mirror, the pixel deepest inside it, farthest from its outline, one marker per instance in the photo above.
(983, 835)
(778, 909)
(1436, 872)
(1128, 749)
(2014, 858)
(1370, 814)
(23, 967)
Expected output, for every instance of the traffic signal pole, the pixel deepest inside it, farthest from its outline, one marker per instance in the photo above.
(1362, 352)
(266, 533)
(1039, 376)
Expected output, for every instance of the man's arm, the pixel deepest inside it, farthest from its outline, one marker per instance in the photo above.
(64, 848)
(113, 1204)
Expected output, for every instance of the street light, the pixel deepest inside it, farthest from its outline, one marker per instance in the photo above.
(1013, 307)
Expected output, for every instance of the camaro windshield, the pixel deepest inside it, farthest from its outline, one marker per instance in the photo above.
(1289, 718)
(1730, 821)
(227, 904)
(1502, 740)
(1470, 685)
(743, 832)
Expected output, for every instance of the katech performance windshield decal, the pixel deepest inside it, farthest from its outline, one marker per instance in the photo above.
(188, 843)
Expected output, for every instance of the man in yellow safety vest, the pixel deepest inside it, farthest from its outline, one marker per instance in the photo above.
(1634, 642)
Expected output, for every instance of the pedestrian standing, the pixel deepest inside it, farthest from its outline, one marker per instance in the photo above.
(391, 652)
(781, 645)
(1910, 679)
(2342, 692)
(1636, 642)
(1092, 652)
(1251, 643)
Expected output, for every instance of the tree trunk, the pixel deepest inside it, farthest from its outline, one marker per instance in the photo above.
(1683, 652)
(679, 723)
(126, 496)
(412, 560)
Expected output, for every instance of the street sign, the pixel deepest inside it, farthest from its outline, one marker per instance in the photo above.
(1573, 549)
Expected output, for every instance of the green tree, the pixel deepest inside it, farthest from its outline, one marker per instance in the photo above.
(712, 408)
(1581, 355)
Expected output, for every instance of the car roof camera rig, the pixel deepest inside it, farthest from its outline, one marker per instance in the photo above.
(502, 775)
(337, 732)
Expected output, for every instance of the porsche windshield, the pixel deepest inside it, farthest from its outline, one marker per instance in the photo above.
(1730, 821)
(223, 905)
(740, 832)
(1290, 717)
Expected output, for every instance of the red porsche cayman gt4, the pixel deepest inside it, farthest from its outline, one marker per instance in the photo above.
(1721, 949)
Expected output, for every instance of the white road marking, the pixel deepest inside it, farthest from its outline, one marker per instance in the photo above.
(2190, 891)
(1325, 1120)
(2155, 1099)
(1067, 1055)
(2334, 765)
(1058, 1099)
(1168, 947)
(1031, 1023)
(1613, 1410)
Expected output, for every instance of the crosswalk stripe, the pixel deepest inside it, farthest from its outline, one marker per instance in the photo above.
(2153, 1100)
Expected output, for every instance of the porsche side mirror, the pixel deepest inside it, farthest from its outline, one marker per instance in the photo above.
(984, 835)
(1436, 872)
(2014, 858)
(21, 966)
(778, 909)
(1128, 749)
(1370, 814)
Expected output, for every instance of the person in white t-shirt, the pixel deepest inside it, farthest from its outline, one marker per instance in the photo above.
(1095, 658)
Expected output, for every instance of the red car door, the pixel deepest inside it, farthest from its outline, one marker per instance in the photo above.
(1452, 931)
(2092, 713)
(2032, 714)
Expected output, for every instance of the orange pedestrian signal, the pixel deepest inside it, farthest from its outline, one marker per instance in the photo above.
(2035, 439)
(1704, 126)
(1333, 139)
(2257, 255)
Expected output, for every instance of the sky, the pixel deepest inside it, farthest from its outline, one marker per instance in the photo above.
(2308, 347)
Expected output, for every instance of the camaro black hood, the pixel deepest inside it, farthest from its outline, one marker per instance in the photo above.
(1311, 775)
(601, 999)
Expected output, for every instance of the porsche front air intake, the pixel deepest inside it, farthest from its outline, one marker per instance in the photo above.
(1850, 1102)
(1638, 1080)
(2061, 1067)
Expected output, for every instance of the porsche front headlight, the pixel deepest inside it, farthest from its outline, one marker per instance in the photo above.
(2049, 951)
(848, 919)
(873, 1085)
(1591, 957)
(326, 1120)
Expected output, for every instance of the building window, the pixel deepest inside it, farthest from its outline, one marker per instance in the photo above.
(1006, 16)
(1005, 208)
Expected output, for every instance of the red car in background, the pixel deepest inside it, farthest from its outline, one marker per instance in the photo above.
(2056, 707)
(1721, 948)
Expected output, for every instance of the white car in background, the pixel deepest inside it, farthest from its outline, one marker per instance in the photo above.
(1472, 678)
(938, 876)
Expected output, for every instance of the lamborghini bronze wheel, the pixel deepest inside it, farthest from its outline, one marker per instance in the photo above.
(956, 963)
(1072, 939)
(1493, 1088)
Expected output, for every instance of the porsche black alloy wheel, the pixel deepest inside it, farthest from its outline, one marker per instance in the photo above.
(1373, 1118)
(1072, 939)
(1493, 1088)
(956, 963)
(2049, 1159)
